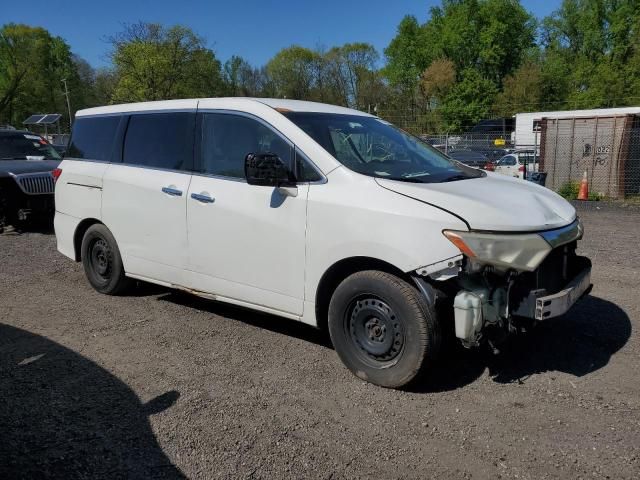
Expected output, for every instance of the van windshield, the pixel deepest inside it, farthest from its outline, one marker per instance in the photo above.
(373, 147)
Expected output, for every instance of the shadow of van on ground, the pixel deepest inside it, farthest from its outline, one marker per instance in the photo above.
(254, 318)
(578, 343)
(63, 416)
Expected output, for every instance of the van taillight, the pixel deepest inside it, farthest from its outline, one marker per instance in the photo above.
(521, 169)
(56, 174)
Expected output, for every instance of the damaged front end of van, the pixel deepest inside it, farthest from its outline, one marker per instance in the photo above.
(503, 283)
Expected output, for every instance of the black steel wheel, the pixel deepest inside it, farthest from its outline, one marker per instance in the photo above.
(375, 329)
(102, 262)
(383, 329)
(100, 258)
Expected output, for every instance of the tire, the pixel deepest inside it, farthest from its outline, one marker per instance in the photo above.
(383, 329)
(102, 261)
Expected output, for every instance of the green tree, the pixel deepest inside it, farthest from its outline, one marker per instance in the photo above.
(407, 57)
(522, 91)
(590, 47)
(242, 79)
(292, 72)
(490, 36)
(32, 66)
(104, 85)
(469, 101)
(154, 62)
(231, 72)
(437, 80)
(352, 67)
(477, 40)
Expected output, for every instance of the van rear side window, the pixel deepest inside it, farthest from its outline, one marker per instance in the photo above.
(160, 140)
(93, 138)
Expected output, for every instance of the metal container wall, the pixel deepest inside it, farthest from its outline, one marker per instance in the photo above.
(601, 146)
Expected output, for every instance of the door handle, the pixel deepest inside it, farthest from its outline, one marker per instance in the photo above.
(172, 191)
(202, 198)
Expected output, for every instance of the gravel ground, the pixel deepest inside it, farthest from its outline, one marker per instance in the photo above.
(162, 384)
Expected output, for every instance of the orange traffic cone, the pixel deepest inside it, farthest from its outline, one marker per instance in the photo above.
(583, 193)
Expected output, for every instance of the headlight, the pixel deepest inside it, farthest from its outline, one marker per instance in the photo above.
(517, 251)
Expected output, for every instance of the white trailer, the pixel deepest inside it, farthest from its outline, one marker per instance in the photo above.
(527, 128)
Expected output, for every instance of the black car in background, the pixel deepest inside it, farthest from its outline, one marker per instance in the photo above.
(484, 134)
(470, 158)
(26, 181)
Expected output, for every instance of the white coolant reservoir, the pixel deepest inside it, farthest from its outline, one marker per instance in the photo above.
(467, 307)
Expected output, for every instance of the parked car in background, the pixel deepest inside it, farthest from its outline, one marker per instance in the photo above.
(26, 182)
(470, 158)
(59, 141)
(435, 142)
(320, 214)
(515, 163)
(61, 149)
(493, 154)
(490, 166)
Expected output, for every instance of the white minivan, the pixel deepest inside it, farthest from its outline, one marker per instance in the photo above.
(316, 213)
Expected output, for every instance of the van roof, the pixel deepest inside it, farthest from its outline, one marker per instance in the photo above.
(223, 103)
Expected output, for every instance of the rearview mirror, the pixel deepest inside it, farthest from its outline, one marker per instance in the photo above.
(267, 169)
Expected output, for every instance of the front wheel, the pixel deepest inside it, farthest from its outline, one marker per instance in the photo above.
(383, 329)
(102, 261)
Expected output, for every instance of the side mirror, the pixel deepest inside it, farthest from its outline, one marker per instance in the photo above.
(267, 169)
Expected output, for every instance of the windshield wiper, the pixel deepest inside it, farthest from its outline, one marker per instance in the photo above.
(14, 158)
(404, 179)
(454, 178)
(417, 174)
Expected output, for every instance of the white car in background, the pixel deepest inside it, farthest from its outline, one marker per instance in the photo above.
(320, 214)
(515, 163)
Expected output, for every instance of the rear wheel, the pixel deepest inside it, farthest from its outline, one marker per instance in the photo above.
(383, 329)
(102, 261)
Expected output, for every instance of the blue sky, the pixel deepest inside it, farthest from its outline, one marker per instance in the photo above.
(253, 29)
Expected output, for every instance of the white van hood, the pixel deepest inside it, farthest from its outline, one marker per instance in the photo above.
(495, 202)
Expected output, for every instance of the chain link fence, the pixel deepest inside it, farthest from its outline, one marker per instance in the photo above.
(604, 149)
(555, 152)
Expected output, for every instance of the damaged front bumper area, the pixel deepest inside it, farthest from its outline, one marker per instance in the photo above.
(540, 305)
(491, 301)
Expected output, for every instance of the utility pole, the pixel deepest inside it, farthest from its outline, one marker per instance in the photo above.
(66, 94)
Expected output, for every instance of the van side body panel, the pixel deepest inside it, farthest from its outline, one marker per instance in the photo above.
(65, 227)
(79, 188)
(78, 196)
(148, 224)
(352, 216)
(249, 243)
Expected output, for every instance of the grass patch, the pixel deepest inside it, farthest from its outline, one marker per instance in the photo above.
(571, 189)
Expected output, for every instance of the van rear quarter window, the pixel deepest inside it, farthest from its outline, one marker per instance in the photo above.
(93, 138)
(160, 140)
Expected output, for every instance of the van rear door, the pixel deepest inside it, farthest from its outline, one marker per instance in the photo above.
(144, 195)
